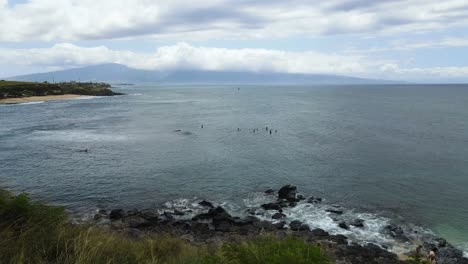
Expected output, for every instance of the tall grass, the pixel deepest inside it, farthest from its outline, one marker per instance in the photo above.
(32, 232)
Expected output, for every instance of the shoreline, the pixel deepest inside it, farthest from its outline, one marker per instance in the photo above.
(202, 222)
(31, 99)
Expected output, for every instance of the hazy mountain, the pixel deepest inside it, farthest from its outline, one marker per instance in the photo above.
(115, 73)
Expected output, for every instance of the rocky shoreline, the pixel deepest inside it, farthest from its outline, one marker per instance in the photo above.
(214, 224)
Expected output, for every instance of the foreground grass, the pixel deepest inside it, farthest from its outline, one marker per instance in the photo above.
(32, 232)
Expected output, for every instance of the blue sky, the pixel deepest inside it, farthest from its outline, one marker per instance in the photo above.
(414, 40)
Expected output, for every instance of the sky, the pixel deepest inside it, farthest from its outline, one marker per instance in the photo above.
(412, 40)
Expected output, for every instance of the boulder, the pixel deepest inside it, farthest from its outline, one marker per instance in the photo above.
(295, 225)
(288, 192)
(313, 199)
(396, 232)
(278, 216)
(357, 222)
(150, 214)
(300, 197)
(177, 212)
(271, 206)
(270, 192)
(206, 204)
(117, 214)
(318, 232)
(343, 225)
(335, 211)
(248, 220)
(133, 211)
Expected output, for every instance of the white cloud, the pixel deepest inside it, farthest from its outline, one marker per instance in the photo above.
(183, 55)
(68, 20)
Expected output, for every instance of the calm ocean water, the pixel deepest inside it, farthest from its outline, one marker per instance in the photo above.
(399, 152)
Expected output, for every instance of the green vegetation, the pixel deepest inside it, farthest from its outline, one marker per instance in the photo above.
(32, 232)
(13, 89)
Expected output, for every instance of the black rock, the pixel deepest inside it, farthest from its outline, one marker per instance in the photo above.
(248, 220)
(357, 222)
(442, 242)
(102, 211)
(288, 192)
(318, 232)
(206, 203)
(117, 214)
(168, 215)
(200, 228)
(292, 204)
(335, 211)
(295, 225)
(133, 211)
(313, 199)
(150, 214)
(396, 232)
(343, 225)
(270, 191)
(177, 212)
(278, 216)
(279, 225)
(271, 206)
(339, 239)
(304, 227)
(300, 197)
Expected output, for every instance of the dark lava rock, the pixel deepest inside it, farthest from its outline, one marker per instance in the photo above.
(278, 216)
(295, 225)
(133, 211)
(270, 191)
(318, 232)
(357, 222)
(343, 225)
(168, 215)
(102, 211)
(288, 192)
(117, 214)
(271, 206)
(313, 199)
(304, 227)
(442, 242)
(300, 197)
(177, 212)
(396, 232)
(150, 214)
(339, 239)
(335, 211)
(248, 220)
(206, 203)
(292, 204)
(279, 225)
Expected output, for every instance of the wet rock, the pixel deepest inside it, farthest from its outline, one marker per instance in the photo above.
(300, 197)
(271, 206)
(335, 211)
(117, 214)
(168, 215)
(396, 232)
(442, 242)
(270, 192)
(248, 220)
(292, 204)
(206, 204)
(313, 199)
(357, 222)
(102, 211)
(318, 232)
(278, 216)
(150, 214)
(177, 212)
(279, 225)
(304, 227)
(288, 192)
(251, 211)
(295, 225)
(339, 239)
(343, 225)
(133, 211)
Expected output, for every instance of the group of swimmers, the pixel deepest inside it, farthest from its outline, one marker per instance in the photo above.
(255, 130)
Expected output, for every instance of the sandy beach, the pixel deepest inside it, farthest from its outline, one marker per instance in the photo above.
(38, 98)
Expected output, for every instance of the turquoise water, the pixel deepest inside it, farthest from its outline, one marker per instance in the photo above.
(396, 151)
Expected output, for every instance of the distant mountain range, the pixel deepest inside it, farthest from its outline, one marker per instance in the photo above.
(117, 73)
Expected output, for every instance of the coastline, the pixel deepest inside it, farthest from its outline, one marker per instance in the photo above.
(30, 99)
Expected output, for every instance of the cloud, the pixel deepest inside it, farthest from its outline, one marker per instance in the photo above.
(185, 56)
(71, 20)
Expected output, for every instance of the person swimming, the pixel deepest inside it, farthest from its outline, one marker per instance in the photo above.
(201, 126)
(270, 131)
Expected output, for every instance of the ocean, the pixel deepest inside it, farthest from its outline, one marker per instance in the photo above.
(388, 153)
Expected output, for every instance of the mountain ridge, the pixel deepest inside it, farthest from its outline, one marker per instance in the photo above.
(116, 73)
